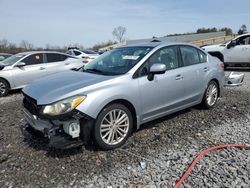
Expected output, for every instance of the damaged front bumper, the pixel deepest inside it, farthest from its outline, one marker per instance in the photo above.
(70, 131)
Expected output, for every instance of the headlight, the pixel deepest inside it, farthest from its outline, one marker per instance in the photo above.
(63, 106)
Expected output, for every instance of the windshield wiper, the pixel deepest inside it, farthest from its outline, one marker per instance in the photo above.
(94, 71)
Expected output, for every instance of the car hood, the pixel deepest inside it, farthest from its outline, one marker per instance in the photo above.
(217, 47)
(62, 85)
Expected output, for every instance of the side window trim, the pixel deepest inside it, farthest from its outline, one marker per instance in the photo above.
(136, 74)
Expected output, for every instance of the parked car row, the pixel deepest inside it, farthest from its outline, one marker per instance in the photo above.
(86, 55)
(113, 95)
(19, 70)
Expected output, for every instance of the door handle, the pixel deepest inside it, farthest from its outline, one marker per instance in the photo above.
(179, 77)
(67, 63)
(42, 68)
(206, 69)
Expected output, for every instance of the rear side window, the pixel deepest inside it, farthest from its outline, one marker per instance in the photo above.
(33, 59)
(203, 56)
(189, 55)
(53, 57)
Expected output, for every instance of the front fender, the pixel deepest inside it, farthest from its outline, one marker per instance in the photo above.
(97, 100)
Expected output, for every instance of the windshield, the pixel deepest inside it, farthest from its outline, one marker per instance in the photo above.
(11, 60)
(117, 61)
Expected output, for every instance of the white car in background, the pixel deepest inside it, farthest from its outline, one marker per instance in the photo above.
(21, 69)
(86, 55)
(234, 52)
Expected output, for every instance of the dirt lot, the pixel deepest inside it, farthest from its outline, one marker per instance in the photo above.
(155, 156)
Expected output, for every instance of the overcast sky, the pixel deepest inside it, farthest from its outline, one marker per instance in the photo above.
(87, 22)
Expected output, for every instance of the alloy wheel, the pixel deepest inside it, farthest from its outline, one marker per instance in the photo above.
(212, 94)
(2, 88)
(114, 126)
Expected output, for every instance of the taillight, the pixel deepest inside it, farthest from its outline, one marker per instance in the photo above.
(222, 65)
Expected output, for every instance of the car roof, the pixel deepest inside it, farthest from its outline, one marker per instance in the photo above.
(33, 52)
(154, 44)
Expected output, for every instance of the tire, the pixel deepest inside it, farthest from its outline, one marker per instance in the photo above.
(4, 88)
(213, 91)
(110, 134)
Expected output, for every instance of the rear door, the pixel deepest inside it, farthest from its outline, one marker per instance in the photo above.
(56, 62)
(196, 69)
(165, 92)
(33, 69)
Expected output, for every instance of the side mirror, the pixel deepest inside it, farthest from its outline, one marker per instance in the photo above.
(233, 43)
(21, 64)
(157, 68)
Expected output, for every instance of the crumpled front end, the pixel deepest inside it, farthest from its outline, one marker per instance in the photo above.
(64, 131)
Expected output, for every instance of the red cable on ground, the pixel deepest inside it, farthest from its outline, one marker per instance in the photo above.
(190, 168)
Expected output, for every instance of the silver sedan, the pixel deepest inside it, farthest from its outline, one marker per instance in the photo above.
(119, 91)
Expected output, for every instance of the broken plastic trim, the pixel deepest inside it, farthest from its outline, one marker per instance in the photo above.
(234, 79)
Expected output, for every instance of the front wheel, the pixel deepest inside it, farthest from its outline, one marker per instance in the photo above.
(211, 95)
(113, 126)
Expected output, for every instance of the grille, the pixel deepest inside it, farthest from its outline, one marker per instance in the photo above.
(31, 105)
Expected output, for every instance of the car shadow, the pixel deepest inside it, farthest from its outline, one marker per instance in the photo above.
(15, 91)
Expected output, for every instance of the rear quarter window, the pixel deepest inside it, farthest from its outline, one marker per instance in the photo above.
(203, 56)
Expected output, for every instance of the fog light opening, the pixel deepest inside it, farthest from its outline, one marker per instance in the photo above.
(72, 128)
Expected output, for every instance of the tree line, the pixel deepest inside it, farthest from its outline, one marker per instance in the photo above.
(118, 32)
(228, 31)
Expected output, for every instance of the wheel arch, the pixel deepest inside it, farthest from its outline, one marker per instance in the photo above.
(130, 106)
(218, 83)
(6, 81)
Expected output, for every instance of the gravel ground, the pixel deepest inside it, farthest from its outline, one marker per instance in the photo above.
(155, 156)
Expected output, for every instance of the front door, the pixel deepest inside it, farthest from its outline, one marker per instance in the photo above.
(165, 92)
(33, 70)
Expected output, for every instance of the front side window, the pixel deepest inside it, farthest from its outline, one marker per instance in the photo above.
(167, 56)
(117, 61)
(189, 55)
(33, 59)
(53, 57)
(243, 40)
